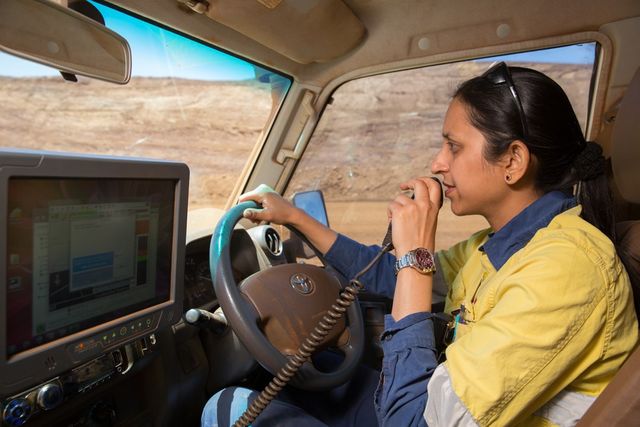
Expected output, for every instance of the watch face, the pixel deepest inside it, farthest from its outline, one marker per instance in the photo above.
(424, 260)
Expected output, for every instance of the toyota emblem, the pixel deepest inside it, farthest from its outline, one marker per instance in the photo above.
(301, 283)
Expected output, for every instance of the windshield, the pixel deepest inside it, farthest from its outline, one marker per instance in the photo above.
(186, 101)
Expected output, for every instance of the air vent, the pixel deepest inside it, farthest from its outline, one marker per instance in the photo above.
(273, 241)
(267, 238)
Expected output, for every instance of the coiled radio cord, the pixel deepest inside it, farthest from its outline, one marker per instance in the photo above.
(309, 345)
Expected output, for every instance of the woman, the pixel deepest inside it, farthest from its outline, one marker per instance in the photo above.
(544, 311)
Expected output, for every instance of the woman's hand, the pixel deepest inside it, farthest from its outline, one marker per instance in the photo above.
(275, 208)
(414, 224)
(414, 220)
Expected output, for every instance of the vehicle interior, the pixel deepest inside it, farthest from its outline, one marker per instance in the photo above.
(143, 121)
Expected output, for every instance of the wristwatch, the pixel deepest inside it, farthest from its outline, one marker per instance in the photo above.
(420, 259)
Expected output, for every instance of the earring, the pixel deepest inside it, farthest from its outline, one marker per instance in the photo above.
(508, 178)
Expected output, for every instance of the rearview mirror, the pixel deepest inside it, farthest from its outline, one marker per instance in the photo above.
(44, 32)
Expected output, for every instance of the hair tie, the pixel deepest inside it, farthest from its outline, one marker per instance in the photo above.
(590, 162)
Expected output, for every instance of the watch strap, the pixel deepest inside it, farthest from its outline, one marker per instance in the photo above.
(420, 259)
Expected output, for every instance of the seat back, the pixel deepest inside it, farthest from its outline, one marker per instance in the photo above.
(628, 233)
(625, 148)
(619, 403)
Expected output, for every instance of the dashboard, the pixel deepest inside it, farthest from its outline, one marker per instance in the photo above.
(92, 265)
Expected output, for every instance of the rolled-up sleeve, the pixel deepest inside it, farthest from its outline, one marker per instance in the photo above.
(409, 362)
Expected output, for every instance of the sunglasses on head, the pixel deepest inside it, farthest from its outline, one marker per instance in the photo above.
(498, 75)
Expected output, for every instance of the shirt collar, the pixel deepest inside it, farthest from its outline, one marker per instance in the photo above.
(517, 232)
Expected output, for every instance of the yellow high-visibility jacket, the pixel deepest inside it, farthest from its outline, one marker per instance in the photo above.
(551, 327)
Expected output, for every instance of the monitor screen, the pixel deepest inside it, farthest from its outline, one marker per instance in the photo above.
(84, 251)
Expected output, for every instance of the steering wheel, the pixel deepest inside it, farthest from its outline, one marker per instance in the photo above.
(274, 310)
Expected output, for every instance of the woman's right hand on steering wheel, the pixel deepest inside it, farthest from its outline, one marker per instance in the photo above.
(275, 208)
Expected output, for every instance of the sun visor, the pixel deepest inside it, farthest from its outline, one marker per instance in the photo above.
(303, 30)
(625, 153)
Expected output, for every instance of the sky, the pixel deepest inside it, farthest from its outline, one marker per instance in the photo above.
(574, 54)
(155, 53)
(160, 53)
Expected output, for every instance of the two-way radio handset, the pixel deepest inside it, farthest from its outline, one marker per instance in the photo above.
(387, 244)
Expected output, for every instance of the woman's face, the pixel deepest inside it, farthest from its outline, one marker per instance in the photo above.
(473, 185)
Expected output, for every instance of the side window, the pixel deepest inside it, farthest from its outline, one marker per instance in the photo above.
(382, 130)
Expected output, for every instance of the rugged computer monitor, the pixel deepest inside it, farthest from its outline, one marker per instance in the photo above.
(91, 258)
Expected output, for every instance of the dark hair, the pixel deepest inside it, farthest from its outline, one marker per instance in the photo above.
(555, 139)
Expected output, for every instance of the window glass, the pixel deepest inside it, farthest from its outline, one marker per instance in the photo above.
(186, 101)
(382, 130)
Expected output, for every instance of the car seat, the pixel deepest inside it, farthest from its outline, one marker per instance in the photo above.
(619, 403)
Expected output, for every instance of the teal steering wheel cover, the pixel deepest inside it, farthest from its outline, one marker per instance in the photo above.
(244, 317)
(222, 234)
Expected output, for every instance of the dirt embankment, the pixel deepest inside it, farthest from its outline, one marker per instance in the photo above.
(209, 126)
(381, 130)
(378, 132)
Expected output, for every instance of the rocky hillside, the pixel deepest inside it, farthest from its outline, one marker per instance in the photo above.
(377, 132)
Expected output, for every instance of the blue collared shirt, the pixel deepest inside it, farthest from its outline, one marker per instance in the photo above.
(409, 345)
(517, 232)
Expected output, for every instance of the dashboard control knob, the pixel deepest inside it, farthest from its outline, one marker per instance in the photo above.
(215, 322)
(17, 412)
(49, 396)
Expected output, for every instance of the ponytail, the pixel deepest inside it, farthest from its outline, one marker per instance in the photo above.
(592, 189)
